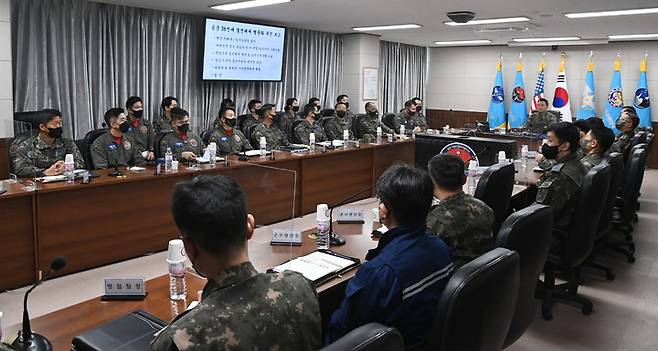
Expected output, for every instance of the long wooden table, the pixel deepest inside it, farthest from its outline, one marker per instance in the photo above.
(17, 215)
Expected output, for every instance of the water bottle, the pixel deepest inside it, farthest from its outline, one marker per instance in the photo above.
(390, 137)
(524, 161)
(311, 141)
(472, 174)
(69, 168)
(169, 157)
(346, 137)
(212, 151)
(321, 216)
(176, 259)
(402, 130)
(379, 135)
(263, 146)
(502, 158)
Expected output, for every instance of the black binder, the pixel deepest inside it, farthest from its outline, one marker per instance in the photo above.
(134, 331)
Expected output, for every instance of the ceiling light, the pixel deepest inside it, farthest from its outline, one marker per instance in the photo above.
(489, 21)
(632, 36)
(561, 43)
(388, 27)
(247, 4)
(612, 13)
(463, 42)
(535, 40)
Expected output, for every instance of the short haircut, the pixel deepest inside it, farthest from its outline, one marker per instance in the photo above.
(264, 109)
(408, 103)
(629, 109)
(252, 103)
(595, 121)
(635, 120)
(178, 113)
(290, 101)
(313, 100)
(133, 100)
(447, 171)
(416, 99)
(166, 102)
(604, 136)
(368, 103)
(339, 103)
(566, 132)
(211, 212)
(340, 97)
(543, 100)
(111, 114)
(583, 125)
(224, 109)
(308, 109)
(48, 114)
(227, 102)
(407, 193)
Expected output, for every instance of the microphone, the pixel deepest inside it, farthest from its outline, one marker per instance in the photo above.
(26, 339)
(243, 155)
(334, 238)
(116, 172)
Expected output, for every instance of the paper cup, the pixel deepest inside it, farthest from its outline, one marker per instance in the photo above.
(176, 253)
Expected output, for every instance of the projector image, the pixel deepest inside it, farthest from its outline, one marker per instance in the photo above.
(461, 16)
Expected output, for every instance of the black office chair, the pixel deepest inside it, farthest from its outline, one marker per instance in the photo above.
(388, 120)
(636, 140)
(326, 120)
(31, 117)
(240, 121)
(529, 233)
(355, 125)
(291, 131)
(495, 189)
(157, 141)
(249, 134)
(205, 135)
(369, 337)
(476, 308)
(87, 141)
(327, 112)
(573, 246)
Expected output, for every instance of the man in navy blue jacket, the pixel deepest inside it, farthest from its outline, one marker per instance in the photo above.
(402, 281)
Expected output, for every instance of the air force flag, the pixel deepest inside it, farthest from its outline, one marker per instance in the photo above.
(641, 100)
(496, 114)
(518, 111)
(587, 108)
(615, 99)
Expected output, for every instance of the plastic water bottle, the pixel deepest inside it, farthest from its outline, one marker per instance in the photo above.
(176, 259)
(263, 146)
(379, 135)
(321, 216)
(390, 137)
(524, 161)
(212, 152)
(169, 157)
(311, 141)
(69, 168)
(346, 137)
(502, 158)
(472, 174)
(402, 130)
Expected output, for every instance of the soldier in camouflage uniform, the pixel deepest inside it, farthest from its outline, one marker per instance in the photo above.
(254, 115)
(164, 122)
(560, 187)
(419, 108)
(308, 126)
(184, 143)
(369, 123)
(115, 148)
(141, 130)
(408, 118)
(334, 128)
(274, 137)
(240, 309)
(539, 121)
(290, 113)
(596, 143)
(462, 221)
(346, 100)
(227, 136)
(43, 154)
(626, 124)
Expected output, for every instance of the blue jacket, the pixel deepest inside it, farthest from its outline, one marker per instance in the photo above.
(399, 286)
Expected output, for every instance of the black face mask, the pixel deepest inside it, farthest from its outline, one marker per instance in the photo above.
(418, 108)
(373, 113)
(184, 128)
(347, 104)
(55, 132)
(295, 108)
(315, 116)
(549, 152)
(620, 125)
(231, 122)
(124, 127)
(340, 113)
(138, 113)
(410, 113)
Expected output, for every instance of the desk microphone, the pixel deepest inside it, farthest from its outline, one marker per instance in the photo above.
(243, 154)
(26, 339)
(116, 172)
(334, 238)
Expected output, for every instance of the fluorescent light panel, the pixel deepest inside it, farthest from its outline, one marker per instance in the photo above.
(536, 40)
(463, 42)
(247, 4)
(612, 13)
(632, 36)
(388, 27)
(490, 21)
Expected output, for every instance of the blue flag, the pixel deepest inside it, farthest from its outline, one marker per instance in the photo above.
(615, 100)
(641, 100)
(496, 114)
(518, 111)
(587, 107)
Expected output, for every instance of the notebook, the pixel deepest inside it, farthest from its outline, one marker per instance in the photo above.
(320, 266)
(134, 331)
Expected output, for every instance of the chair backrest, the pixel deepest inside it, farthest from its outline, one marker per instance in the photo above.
(369, 337)
(476, 308)
(157, 141)
(631, 184)
(637, 139)
(355, 125)
(616, 162)
(205, 135)
(291, 131)
(495, 189)
(643, 162)
(528, 232)
(584, 221)
(86, 146)
(241, 119)
(388, 120)
(327, 112)
(326, 120)
(31, 117)
(249, 133)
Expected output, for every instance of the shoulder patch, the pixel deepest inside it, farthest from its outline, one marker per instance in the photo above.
(557, 167)
(223, 139)
(193, 142)
(127, 145)
(112, 147)
(144, 129)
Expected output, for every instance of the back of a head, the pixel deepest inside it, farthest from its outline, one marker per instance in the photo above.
(211, 211)
(407, 193)
(447, 171)
(566, 132)
(604, 136)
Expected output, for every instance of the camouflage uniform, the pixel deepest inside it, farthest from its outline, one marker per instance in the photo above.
(143, 135)
(105, 153)
(242, 309)
(274, 136)
(465, 224)
(161, 124)
(368, 126)
(560, 188)
(249, 120)
(284, 118)
(591, 160)
(178, 145)
(229, 142)
(409, 123)
(304, 129)
(622, 143)
(33, 155)
(335, 127)
(538, 122)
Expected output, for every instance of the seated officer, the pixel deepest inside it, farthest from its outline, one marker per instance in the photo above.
(254, 115)
(560, 186)
(369, 123)
(402, 280)
(626, 123)
(308, 126)
(44, 153)
(290, 113)
(115, 148)
(315, 102)
(184, 143)
(583, 126)
(227, 136)
(419, 108)
(344, 99)
(240, 309)
(341, 122)
(141, 129)
(462, 221)
(408, 118)
(539, 121)
(274, 137)
(164, 122)
(595, 144)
